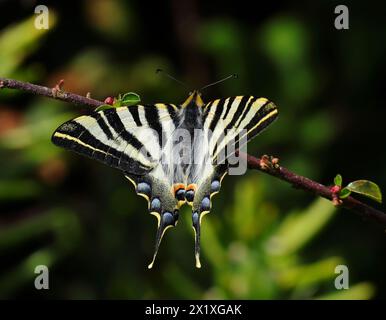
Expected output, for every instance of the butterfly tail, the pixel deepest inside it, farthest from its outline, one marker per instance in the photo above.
(196, 219)
(161, 205)
(166, 220)
(202, 204)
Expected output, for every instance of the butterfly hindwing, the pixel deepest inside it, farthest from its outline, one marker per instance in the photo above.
(161, 200)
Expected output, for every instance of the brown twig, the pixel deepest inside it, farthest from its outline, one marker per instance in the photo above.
(55, 93)
(271, 167)
(265, 164)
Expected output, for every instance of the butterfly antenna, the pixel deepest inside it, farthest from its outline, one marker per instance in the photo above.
(171, 77)
(232, 76)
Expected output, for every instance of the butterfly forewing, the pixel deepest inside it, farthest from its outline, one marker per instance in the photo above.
(232, 119)
(127, 138)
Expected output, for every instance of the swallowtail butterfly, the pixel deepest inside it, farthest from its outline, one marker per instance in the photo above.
(144, 142)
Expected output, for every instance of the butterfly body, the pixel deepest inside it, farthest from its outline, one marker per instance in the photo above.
(172, 154)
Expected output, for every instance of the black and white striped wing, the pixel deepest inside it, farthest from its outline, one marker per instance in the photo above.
(131, 139)
(236, 120)
(229, 123)
(126, 138)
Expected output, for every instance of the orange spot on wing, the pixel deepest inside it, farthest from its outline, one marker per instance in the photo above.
(177, 186)
(192, 186)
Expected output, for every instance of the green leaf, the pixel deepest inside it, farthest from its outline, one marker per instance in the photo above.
(104, 107)
(338, 180)
(366, 188)
(130, 99)
(344, 193)
(117, 102)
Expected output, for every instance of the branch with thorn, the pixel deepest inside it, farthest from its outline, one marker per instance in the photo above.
(266, 164)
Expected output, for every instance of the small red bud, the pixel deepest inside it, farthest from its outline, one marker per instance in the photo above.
(109, 100)
(335, 189)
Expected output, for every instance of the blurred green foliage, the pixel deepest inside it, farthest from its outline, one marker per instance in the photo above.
(262, 240)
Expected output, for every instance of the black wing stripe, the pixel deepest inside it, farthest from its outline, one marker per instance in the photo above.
(266, 109)
(118, 126)
(173, 114)
(237, 114)
(152, 117)
(135, 114)
(229, 105)
(224, 133)
(216, 145)
(73, 136)
(246, 110)
(217, 114)
(103, 125)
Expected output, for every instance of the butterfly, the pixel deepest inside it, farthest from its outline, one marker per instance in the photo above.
(173, 154)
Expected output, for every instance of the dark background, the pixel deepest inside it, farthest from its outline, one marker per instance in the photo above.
(263, 239)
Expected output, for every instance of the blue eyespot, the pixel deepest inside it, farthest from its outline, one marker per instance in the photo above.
(195, 218)
(215, 186)
(180, 194)
(205, 204)
(167, 218)
(144, 188)
(155, 205)
(189, 195)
